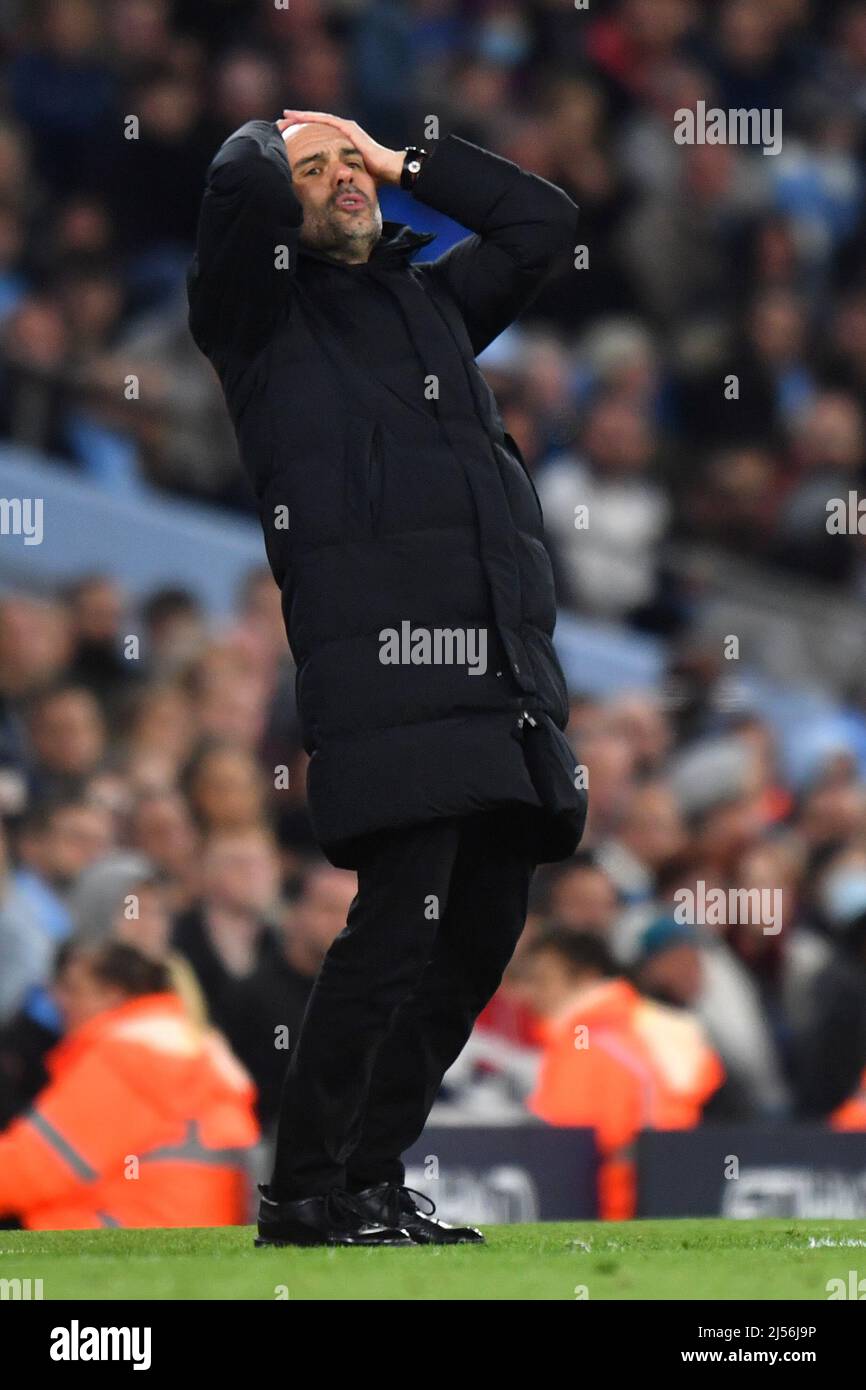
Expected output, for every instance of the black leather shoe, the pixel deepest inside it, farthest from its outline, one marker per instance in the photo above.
(337, 1219)
(396, 1206)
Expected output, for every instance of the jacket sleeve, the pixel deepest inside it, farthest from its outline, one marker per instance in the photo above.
(80, 1127)
(240, 278)
(525, 231)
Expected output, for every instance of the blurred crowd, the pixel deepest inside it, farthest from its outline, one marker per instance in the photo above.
(152, 790)
(702, 261)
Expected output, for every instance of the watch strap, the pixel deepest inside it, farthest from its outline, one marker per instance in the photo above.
(413, 161)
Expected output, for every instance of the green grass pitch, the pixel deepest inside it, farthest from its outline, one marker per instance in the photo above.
(666, 1260)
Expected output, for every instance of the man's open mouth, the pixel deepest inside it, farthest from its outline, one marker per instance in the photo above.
(349, 202)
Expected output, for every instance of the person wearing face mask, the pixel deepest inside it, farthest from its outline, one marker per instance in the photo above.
(841, 895)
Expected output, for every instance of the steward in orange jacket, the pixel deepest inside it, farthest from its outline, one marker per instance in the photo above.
(147, 1119)
(613, 1061)
(851, 1114)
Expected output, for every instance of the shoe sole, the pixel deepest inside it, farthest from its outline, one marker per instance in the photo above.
(433, 1235)
(462, 1241)
(261, 1242)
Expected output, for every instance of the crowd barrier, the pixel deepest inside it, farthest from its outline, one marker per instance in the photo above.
(524, 1173)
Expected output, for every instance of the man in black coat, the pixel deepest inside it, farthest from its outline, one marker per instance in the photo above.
(406, 537)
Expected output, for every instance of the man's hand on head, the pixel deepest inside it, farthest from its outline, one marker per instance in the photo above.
(282, 126)
(381, 164)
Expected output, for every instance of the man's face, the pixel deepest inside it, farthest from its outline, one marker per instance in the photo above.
(341, 208)
(241, 873)
(675, 975)
(68, 732)
(584, 899)
(320, 913)
(76, 837)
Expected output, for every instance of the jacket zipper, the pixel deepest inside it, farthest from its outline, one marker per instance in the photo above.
(526, 717)
(374, 474)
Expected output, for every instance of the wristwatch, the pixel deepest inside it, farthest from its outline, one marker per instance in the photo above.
(412, 164)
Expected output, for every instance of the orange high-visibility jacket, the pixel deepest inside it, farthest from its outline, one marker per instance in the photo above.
(146, 1122)
(851, 1114)
(618, 1063)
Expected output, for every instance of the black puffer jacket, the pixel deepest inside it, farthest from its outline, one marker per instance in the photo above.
(390, 496)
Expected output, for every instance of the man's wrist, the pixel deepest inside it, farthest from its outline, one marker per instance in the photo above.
(393, 167)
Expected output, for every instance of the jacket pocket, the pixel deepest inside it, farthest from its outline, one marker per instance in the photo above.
(511, 444)
(552, 767)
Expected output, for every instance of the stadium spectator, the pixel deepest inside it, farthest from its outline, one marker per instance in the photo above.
(229, 941)
(176, 631)
(226, 788)
(669, 966)
(581, 896)
(309, 924)
(24, 946)
(162, 828)
(605, 514)
(56, 843)
(99, 662)
(142, 919)
(650, 833)
(69, 738)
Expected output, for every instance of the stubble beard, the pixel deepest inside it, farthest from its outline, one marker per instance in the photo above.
(345, 238)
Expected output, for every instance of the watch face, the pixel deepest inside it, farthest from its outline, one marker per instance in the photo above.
(414, 166)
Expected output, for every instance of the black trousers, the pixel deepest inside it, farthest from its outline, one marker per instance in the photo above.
(438, 913)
